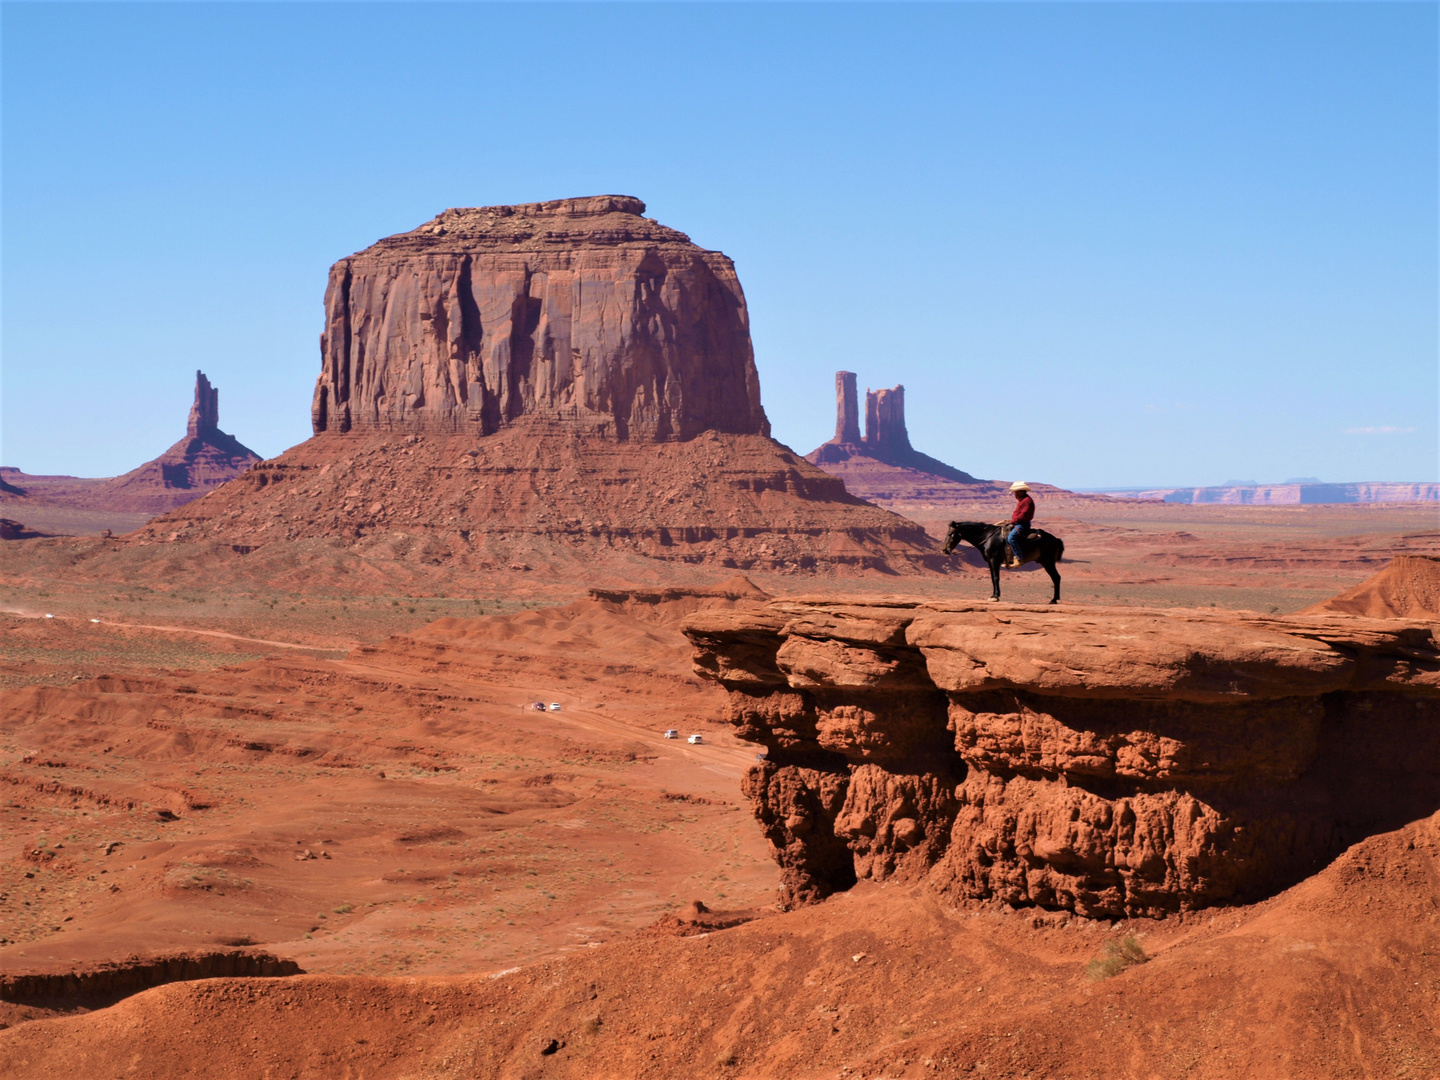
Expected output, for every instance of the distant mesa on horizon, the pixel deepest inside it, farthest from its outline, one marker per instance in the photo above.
(575, 313)
(1289, 493)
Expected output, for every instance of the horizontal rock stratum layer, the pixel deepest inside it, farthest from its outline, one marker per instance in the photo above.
(582, 312)
(1106, 761)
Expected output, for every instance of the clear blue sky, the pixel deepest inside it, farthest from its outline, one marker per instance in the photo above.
(1100, 245)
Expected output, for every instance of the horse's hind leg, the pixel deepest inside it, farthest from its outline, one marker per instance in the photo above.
(1055, 577)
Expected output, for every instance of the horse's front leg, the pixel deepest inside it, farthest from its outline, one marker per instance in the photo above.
(994, 579)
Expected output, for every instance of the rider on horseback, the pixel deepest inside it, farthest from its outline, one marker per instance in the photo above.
(1020, 519)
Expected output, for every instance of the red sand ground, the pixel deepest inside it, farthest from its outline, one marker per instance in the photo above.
(261, 702)
(1336, 977)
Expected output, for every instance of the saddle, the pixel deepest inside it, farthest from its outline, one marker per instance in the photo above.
(1032, 536)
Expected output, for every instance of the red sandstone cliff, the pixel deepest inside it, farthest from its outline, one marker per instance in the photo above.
(1107, 761)
(580, 312)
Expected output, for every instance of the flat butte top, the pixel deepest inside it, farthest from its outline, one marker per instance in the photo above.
(596, 221)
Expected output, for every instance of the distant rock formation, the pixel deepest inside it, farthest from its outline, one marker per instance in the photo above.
(205, 412)
(200, 462)
(206, 458)
(886, 439)
(1408, 588)
(577, 312)
(885, 433)
(847, 410)
(1108, 761)
(541, 387)
(882, 467)
(1298, 492)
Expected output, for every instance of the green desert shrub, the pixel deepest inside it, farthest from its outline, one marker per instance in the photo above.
(1117, 955)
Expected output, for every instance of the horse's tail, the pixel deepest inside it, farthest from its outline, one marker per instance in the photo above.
(1059, 548)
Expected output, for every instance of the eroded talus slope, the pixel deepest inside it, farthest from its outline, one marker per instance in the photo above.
(1107, 761)
(538, 497)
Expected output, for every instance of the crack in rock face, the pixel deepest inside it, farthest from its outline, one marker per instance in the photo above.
(1102, 761)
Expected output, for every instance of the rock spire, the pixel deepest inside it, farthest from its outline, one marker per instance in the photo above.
(847, 410)
(885, 421)
(205, 412)
(867, 464)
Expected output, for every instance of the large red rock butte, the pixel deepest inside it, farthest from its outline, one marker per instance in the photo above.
(1105, 761)
(537, 385)
(579, 312)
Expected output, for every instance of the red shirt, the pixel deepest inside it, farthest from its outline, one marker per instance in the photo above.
(1024, 511)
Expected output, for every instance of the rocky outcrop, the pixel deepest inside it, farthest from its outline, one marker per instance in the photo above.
(886, 441)
(1408, 588)
(847, 409)
(885, 434)
(205, 411)
(883, 468)
(199, 463)
(206, 458)
(1106, 761)
(580, 313)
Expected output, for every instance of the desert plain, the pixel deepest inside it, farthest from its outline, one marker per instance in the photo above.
(278, 798)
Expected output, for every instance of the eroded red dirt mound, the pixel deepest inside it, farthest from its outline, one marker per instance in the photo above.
(1409, 588)
(884, 982)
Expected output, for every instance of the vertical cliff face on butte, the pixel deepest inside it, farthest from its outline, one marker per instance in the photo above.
(580, 312)
(528, 385)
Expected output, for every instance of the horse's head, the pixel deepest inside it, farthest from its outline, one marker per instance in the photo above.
(952, 538)
(975, 532)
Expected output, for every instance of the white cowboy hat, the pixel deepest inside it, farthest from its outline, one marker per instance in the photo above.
(1019, 485)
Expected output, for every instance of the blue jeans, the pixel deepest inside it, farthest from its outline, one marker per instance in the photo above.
(1016, 535)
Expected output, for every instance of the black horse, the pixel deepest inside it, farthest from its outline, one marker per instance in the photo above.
(1039, 546)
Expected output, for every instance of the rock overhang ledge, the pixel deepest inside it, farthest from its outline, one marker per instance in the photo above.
(1107, 761)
